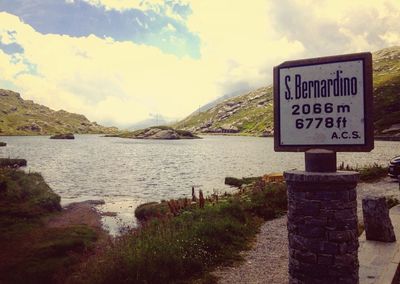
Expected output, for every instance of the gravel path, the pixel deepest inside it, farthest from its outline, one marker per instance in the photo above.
(267, 261)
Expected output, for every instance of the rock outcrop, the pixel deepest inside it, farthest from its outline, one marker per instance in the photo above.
(159, 132)
(378, 226)
(12, 163)
(63, 136)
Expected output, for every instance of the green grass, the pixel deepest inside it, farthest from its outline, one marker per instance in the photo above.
(30, 252)
(368, 173)
(25, 194)
(186, 247)
(50, 254)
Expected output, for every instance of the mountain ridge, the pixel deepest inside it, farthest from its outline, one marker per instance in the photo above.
(252, 113)
(25, 117)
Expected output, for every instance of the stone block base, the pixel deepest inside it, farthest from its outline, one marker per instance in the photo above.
(322, 227)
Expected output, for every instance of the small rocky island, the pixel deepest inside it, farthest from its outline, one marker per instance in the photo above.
(159, 132)
(63, 136)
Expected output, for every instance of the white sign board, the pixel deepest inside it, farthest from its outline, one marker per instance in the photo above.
(323, 103)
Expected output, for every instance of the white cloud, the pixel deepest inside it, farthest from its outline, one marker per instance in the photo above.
(105, 79)
(240, 43)
(233, 31)
(334, 27)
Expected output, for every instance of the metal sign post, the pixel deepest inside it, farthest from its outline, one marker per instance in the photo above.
(323, 106)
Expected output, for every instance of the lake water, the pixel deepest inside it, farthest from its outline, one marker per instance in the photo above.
(126, 172)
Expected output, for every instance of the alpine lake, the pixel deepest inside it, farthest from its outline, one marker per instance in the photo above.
(128, 172)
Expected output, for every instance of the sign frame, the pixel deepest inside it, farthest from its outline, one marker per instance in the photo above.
(366, 58)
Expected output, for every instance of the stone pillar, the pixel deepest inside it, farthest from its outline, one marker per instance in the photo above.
(323, 227)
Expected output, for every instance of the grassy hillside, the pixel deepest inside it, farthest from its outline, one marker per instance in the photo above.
(252, 113)
(24, 117)
(386, 64)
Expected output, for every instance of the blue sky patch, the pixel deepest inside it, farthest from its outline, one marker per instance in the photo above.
(79, 19)
(11, 48)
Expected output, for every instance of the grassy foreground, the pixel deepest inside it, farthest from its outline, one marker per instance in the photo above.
(30, 251)
(186, 247)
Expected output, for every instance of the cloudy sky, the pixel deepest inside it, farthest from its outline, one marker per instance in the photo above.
(121, 61)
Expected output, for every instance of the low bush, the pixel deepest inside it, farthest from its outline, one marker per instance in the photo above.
(368, 173)
(271, 202)
(150, 210)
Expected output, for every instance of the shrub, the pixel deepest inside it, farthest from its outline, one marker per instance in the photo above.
(25, 195)
(270, 202)
(150, 210)
(368, 173)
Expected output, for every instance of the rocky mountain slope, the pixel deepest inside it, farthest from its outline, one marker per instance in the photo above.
(252, 113)
(24, 117)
